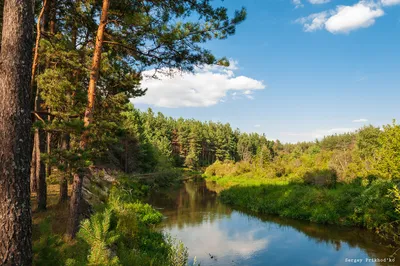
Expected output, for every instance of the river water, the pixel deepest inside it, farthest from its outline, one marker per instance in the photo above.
(218, 235)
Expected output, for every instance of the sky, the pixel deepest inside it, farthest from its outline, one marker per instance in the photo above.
(300, 69)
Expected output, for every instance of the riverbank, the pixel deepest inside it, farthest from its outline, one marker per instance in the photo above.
(363, 205)
(217, 234)
(120, 231)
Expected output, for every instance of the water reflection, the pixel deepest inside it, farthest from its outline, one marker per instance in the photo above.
(217, 235)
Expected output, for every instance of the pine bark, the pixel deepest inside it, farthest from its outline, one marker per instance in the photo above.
(63, 179)
(1, 19)
(33, 170)
(41, 172)
(40, 141)
(75, 205)
(38, 36)
(63, 189)
(15, 137)
(76, 197)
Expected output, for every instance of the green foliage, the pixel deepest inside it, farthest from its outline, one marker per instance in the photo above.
(52, 249)
(391, 230)
(368, 141)
(123, 231)
(344, 179)
(47, 250)
(389, 154)
(178, 255)
(166, 36)
(368, 154)
(100, 235)
(347, 204)
(323, 177)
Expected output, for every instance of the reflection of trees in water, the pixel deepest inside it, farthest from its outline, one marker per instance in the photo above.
(191, 204)
(335, 236)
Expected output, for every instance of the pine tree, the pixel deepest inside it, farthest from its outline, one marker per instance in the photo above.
(15, 124)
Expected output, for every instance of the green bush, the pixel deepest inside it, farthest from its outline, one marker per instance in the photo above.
(323, 178)
(47, 250)
(346, 204)
(121, 232)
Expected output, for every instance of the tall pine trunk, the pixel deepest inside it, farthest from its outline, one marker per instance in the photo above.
(1, 19)
(65, 139)
(76, 197)
(15, 137)
(33, 170)
(39, 134)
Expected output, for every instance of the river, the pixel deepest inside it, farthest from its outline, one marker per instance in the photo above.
(218, 235)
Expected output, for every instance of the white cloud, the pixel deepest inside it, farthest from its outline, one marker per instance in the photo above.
(205, 87)
(250, 97)
(348, 18)
(390, 2)
(257, 125)
(361, 120)
(316, 134)
(314, 21)
(318, 2)
(344, 19)
(297, 3)
(209, 237)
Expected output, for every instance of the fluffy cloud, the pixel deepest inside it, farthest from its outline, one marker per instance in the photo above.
(348, 18)
(225, 242)
(361, 120)
(390, 2)
(344, 18)
(205, 87)
(314, 21)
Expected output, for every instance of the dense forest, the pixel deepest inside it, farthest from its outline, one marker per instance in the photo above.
(191, 143)
(370, 152)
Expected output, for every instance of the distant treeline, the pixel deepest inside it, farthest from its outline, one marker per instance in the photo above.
(192, 143)
(370, 151)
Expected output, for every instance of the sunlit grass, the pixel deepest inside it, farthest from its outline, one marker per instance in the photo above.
(56, 212)
(364, 205)
(230, 181)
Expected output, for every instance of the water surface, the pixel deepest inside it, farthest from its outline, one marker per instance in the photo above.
(218, 235)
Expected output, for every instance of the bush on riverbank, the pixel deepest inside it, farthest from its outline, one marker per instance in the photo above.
(316, 196)
(120, 232)
(345, 205)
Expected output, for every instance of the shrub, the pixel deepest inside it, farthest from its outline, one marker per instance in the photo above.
(323, 178)
(100, 234)
(47, 249)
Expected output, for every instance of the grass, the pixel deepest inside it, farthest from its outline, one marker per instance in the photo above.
(122, 231)
(245, 181)
(56, 212)
(367, 206)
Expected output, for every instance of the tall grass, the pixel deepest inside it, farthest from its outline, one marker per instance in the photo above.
(316, 197)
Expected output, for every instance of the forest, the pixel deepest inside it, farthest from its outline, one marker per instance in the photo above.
(73, 146)
(68, 70)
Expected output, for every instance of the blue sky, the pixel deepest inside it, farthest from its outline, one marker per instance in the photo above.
(300, 70)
